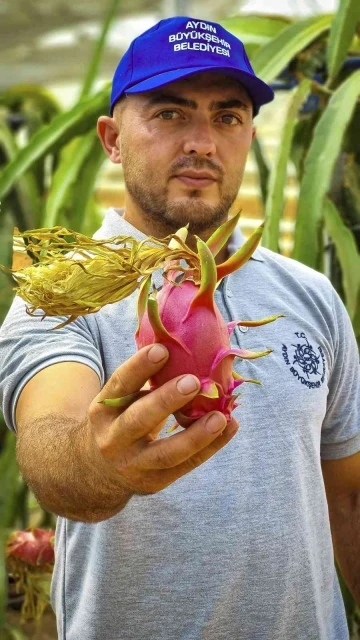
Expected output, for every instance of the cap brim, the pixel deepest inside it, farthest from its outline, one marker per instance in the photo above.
(258, 90)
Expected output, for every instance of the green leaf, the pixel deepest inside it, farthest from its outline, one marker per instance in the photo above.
(7, 140)
(273, 57)
(351, 190)
(263, 169)
(251, 49)
(6, 233)
(347, 253)
(255, 29)
(3, 580)
(319, 166)
(6, 282)
(99, 49)
(82, 204)
(63, 128)
(301, 140)
(20, 96)
(354, 50)
(10, 479)
(27, 196)
(66, 176)
(275, 200)
(352, 138)
(342, 31)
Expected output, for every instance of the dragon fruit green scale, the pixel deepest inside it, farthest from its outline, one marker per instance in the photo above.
(184, 317)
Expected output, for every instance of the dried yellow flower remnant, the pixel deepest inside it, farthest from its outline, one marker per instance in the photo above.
(74, 275)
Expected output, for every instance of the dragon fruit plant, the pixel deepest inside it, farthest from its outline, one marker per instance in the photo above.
(29, 560)
(71, 270)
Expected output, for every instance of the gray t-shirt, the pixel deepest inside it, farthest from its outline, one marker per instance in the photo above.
(240, 547)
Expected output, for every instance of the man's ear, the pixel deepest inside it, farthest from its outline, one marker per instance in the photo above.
(108, 132)
(253, 133)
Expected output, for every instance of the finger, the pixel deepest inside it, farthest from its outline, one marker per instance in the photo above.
(144, 415)
(155, 432)
(134, 372)
(170, 475)
(173, 451)
(157, 480)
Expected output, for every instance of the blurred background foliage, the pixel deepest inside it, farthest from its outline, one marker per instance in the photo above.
(51, 159)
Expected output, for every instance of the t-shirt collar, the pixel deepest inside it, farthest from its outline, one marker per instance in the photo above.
(115, 225)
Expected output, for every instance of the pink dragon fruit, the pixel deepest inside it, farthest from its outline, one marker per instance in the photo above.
(29, 561)
(32, 546)
(183, 313)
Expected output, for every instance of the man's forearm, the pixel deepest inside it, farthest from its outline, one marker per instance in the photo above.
(66, 473)
(345, 528)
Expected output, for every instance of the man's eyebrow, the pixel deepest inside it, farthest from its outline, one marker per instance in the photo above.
(233, 103)
(164, 98)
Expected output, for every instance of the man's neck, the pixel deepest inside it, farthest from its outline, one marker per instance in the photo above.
(161, 231)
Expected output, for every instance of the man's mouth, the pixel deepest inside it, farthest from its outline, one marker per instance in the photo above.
(197, 179)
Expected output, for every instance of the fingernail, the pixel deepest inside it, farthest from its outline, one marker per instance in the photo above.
(215, 423)
(187, 384)
(157, 353)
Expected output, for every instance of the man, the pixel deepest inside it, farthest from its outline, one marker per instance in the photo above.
(213, 532)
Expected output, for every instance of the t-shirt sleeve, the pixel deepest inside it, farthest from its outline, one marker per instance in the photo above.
(340, 435)
(28, 345)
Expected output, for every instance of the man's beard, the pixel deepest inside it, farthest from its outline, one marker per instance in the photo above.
(173, 215)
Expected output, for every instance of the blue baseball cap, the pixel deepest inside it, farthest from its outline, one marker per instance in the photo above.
(180, 47)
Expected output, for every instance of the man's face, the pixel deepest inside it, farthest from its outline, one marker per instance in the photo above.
(183, 149)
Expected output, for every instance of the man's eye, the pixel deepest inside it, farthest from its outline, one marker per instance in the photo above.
(168, 115)
(228, 118)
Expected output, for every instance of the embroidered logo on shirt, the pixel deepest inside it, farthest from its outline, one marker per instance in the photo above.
(306, 363)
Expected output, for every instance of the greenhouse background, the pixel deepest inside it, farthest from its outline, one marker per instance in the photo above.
(302, 175)
(51, 46)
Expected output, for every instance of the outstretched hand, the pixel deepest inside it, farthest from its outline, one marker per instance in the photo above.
(126, 438)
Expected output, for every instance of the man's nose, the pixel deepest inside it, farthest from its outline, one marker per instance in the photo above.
(199, 140)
